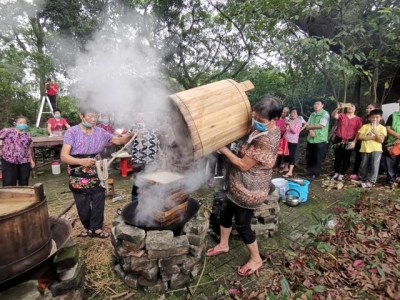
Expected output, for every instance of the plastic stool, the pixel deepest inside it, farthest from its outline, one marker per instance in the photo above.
(125, 164)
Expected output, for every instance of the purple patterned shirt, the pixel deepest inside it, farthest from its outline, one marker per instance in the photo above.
(16, 146)
(82, 143)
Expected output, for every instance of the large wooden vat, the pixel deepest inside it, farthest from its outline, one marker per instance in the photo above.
(214, 115)
(25, 237)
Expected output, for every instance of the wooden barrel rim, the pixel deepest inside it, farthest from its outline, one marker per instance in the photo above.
(186, 115)
(244, 97)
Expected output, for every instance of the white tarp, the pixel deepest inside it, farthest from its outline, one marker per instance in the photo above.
(388, 109)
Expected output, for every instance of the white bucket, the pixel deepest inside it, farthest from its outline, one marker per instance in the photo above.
(55, 168)
(281, 184)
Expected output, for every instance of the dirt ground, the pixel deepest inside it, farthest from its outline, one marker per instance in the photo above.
(218, 272)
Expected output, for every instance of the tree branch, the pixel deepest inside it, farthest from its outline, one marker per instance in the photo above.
(19, 42)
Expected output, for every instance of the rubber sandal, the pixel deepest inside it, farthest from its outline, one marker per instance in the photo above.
(84, 233)
(213, 252)
(102, 234)
(245, 271)
(366, 185)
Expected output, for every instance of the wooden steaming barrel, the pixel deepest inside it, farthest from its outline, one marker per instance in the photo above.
(25, 237)
(215, 115)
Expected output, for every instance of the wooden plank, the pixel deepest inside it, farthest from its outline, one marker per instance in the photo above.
(164, 177)
(47, 141)
(11, 195)
(39, 191)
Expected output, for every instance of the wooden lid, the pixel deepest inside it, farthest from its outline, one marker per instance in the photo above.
(162, 177)
(13, 199)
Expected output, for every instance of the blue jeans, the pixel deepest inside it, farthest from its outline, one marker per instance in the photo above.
(370, 166)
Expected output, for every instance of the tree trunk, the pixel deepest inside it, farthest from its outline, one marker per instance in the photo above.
(356, 98)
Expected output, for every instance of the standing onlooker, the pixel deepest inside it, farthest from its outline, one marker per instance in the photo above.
(56, 124)
(318, 127)
(371, 136)
(303, 126)
(51, 91)
(392, 161)
(17, 155)
(346, 138)
(281, 123)
(81, 148)
(293, 127)
(365, 119)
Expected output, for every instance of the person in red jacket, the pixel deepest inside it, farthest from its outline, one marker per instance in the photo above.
(51, 90)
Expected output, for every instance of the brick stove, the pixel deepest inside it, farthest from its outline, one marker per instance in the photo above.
(159, 240)
(156, 260)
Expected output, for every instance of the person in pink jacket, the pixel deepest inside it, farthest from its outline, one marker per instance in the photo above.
(293, 128)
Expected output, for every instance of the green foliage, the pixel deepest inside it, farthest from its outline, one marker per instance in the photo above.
(37, 131)
(266, 81)
(14, 93)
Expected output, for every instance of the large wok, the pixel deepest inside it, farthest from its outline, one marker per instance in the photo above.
(60, 233)
(129, 216)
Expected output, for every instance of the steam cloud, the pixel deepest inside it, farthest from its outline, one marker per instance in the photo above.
(12, 13)
(119, 72)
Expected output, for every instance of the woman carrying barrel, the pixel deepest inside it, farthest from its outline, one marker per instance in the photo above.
(249, 180)
(81, 148)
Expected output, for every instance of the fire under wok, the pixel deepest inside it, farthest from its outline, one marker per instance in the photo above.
(60, 233)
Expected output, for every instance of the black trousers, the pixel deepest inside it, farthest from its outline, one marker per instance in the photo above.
(91, 209)
(392, 163)
(291, 158)
(315, 154)
(342, 157)
(357, 160)
(243, 218)
(15, 173)
(53, 100)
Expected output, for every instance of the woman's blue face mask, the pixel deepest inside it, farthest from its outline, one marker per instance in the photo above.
(21, 126)
(259, 126)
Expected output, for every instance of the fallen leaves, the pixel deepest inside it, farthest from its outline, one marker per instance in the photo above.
(357, 259)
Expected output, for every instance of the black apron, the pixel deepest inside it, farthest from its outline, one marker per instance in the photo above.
(84, 180)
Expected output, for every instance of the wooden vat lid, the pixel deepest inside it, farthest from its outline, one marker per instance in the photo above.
(15, 199)
(163, 177)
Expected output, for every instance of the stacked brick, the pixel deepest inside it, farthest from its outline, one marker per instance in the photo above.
(70, 274)
(265, 222)
(157, 260)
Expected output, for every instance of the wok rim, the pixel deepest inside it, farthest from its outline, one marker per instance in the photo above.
(191, 211)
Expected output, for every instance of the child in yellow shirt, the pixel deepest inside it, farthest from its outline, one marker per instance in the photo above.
(371, 135)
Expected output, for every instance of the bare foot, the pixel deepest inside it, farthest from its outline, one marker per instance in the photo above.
(250, 267)
(217, 250)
